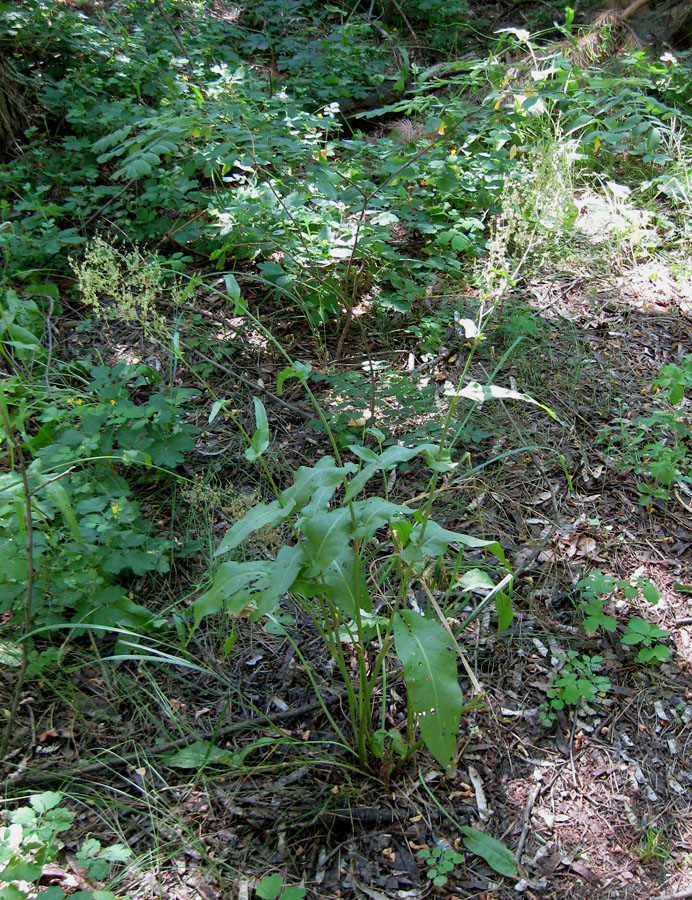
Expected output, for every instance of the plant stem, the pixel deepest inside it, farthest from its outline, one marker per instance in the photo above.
(16, 445)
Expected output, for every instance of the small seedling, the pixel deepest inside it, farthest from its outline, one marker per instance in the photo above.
(576, 679)
(271, 887)
(639, 631)
(440, 863)
(653, 846)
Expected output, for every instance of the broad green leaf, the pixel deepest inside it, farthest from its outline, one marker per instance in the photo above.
(505, 614)
(295, 370)
(390, 458)
(21, 870)
(479, 393)
(284, 571)
(326, 535)
(45, 801)
(269, 887)
(52, 893)
(373, 513)
(345, 583)
(230, 588)
(11, 892)
(437, 539)
(294, 892)
(476, 580)
(430, 671)
(260, 439)
(61, 499)
(264, 515)
(321, 479)
(498, 857)
(650, 592)
(197, 754)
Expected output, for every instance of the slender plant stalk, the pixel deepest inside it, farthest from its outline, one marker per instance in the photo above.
(16, 445)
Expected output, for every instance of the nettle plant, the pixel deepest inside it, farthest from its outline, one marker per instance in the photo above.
(352, 544)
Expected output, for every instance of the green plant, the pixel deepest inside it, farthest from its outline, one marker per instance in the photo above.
(576, 678)
(596, 589)
(658, 446)
(90, 535)
(440, 862)
(639, 631)
(30, 842)
(271, 887)
(653, 846)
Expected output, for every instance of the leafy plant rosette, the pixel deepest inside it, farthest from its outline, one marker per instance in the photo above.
(327, 570)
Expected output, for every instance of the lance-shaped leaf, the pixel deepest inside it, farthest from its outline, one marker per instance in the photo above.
(381, 462)
(374, 513)
(326, 535)
(430, 670)
(61, 498)
(318, 482)
(482, 392)
(436, 540)
(264, 515)
(260, 439)
(231, 588)
(491, 850)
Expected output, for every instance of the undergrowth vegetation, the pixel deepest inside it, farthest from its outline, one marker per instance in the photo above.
(219, 215)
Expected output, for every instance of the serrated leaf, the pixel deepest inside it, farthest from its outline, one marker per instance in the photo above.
(45, 801)
(21, 870)
(498, 857)
(430, 671)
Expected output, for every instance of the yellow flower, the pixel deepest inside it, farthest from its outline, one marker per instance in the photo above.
(70, 401)
(114, 509)
(112, 402)
(78, 402)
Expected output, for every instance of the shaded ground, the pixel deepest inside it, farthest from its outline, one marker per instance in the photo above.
(595, 805)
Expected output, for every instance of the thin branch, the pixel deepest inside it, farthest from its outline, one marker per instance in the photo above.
(119, 762)
(21, 674)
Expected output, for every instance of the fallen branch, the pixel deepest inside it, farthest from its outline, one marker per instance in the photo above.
(118, 762)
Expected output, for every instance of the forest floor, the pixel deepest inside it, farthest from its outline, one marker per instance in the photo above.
(207, 754)
(596, 804)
